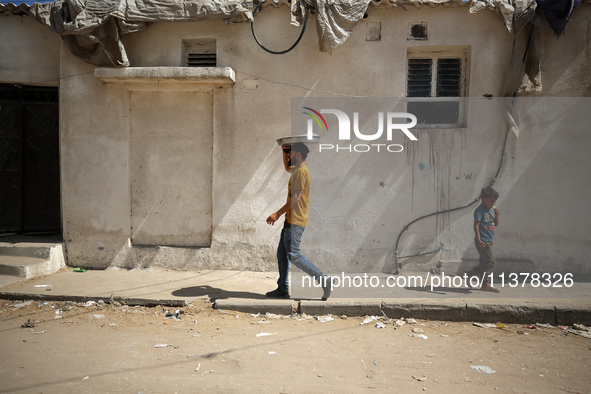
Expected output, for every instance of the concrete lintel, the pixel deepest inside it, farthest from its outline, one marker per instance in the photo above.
(569, 314)
(74, 298)
(279, 307)
(341, 307)
(217, 76)
(441, 309)
(516, 312)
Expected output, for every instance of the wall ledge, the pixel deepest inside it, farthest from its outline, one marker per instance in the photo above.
(219, 76)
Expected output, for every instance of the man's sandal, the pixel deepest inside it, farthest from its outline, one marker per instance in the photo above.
(490, 288)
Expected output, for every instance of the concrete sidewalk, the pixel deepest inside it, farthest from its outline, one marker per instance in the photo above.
(244, 291)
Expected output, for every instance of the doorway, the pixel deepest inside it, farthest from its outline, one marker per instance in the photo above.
(29, 160)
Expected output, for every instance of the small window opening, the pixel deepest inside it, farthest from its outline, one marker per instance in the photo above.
(435, 87)
(419, 77)
(449, 77)
(200, 52)
(418, 32)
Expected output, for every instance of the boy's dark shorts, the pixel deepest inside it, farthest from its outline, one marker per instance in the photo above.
(487, 258)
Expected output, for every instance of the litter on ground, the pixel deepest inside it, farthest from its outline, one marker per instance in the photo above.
(369, 319)
(324, 319)
(264, 334)
(482, 369)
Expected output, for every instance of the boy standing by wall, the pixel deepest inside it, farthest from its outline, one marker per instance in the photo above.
(486, 218)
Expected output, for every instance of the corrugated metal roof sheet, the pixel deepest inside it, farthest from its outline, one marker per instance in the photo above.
(25, 2)
(19, 7)
(14, 8)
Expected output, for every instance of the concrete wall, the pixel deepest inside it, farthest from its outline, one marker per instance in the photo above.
(30, 51)
(565, 61)
(545, 183)
(102, 155)
(171, 168)
(256, 111)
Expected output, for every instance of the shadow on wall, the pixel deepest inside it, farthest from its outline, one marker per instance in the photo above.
(545, 211)
(544, 183)
(563, 56)
(361, 201)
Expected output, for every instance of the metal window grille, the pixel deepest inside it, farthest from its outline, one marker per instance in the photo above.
(419, 77)
(202, 59)
(449, 77)
(430, 78)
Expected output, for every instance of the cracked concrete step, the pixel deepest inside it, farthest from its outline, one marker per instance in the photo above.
(26, 249)
(23, 266)
(27, 257)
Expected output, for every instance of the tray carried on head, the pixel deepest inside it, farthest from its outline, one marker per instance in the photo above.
(298, 138)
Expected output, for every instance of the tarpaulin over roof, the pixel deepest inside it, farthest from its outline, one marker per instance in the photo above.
(516, 13)
(92, 29)
(335, 20)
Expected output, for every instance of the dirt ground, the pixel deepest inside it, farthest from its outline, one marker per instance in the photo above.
(61, 347)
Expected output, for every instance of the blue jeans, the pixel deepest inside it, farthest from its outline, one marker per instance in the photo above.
(288, 251)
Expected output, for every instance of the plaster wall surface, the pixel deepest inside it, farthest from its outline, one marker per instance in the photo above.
(545, 183)
(170, 174)
(565, 61)
(94, 143)
(30, 52)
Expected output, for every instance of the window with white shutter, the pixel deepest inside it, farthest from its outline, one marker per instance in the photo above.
(436, 85)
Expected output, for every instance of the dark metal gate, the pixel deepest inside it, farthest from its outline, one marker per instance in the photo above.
(29, 159)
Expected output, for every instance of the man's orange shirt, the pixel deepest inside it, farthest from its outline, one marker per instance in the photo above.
(299, 180)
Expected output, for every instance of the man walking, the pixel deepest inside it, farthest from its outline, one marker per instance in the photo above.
(296, 218)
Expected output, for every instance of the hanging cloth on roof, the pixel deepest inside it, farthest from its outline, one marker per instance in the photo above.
(335, 19)
(558, 12)
(92, 29)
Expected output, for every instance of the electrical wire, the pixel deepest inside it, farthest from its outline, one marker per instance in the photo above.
(492, 182)
(269, 50)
